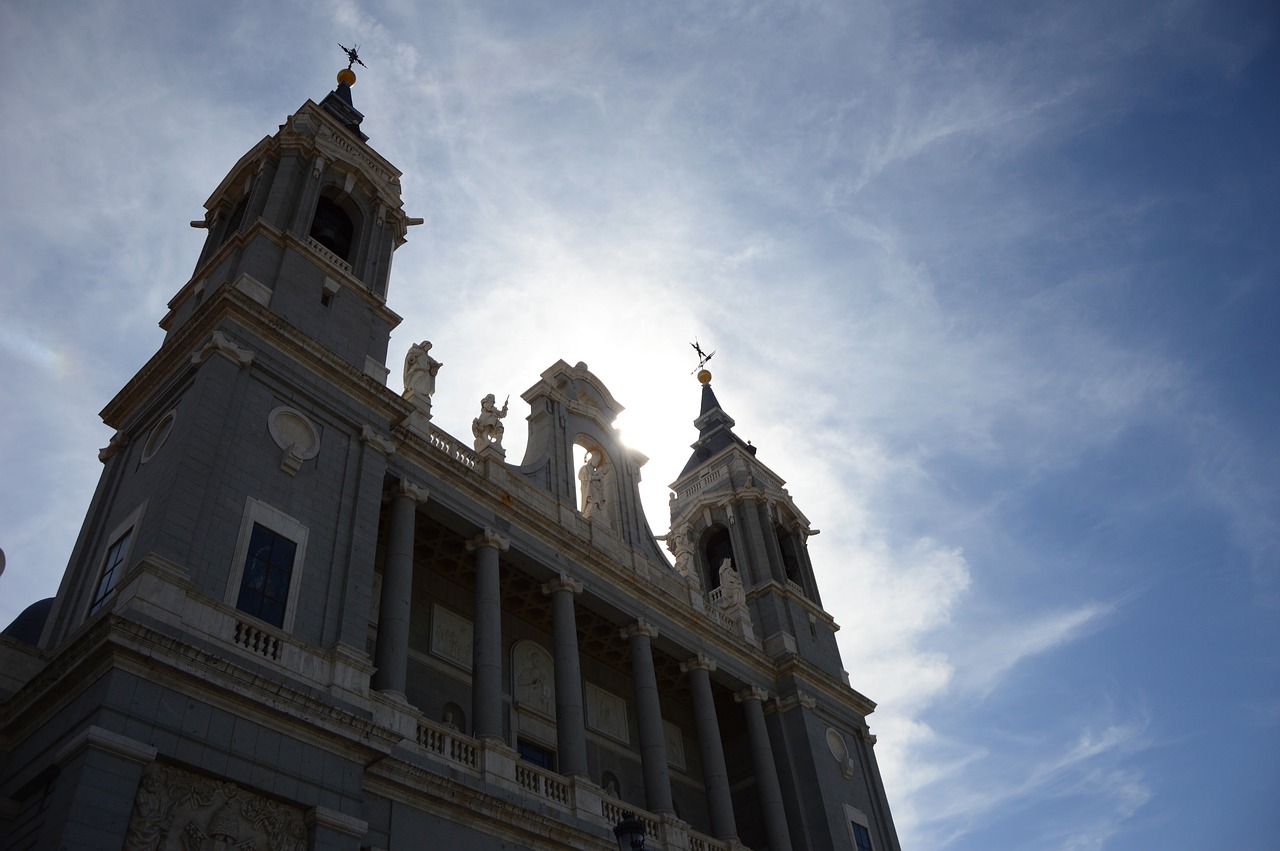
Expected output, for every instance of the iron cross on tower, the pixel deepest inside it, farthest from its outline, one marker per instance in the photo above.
(353, 57)
(703, 357)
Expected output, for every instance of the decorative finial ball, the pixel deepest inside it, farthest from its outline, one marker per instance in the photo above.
(704, 375)
(347, 77)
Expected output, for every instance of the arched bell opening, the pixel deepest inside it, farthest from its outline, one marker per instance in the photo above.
(790, 558)
(334, 226)
(716, 547)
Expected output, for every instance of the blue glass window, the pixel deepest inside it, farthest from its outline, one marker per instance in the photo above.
(861, 838)
(268, 568)
(539, 756)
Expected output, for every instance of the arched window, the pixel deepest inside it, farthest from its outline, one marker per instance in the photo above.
(715, 550)
(235, 219)
(333, 228)
(790, 561)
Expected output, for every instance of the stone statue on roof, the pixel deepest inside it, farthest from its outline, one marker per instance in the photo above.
(420, 374)
(488, 428)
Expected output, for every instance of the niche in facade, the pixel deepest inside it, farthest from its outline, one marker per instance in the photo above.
(716, 547)
(595, 482)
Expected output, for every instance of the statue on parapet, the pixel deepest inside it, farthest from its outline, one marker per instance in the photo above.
(487, 428)
(420, 374)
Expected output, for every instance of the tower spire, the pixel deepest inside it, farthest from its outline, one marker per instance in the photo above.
(715, 426)
(338, 102)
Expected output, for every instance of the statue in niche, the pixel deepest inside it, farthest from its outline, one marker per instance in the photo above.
(420, 373)
(487, 428)
(591, 476)
(731, 585)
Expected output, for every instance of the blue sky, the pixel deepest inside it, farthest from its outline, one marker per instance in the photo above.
(994, 286)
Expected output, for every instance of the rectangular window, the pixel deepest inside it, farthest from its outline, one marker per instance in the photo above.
(268, 571)
(539, 756)
(112, 567)
(266, 566)
(859, 828)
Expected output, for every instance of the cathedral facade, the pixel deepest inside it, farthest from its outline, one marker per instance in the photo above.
(299, 615)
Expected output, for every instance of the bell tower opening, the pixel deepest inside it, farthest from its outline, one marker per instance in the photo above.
(332, 227)
(790, 561)
(716, 548)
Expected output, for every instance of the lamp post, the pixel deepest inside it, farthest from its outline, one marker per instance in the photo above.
(630, 833)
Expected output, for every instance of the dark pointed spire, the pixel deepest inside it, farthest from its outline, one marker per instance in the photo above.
(338, 102)
(715, 427)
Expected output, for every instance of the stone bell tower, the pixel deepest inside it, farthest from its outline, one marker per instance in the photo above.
(260, 425)
(737, 535)
(742, 544)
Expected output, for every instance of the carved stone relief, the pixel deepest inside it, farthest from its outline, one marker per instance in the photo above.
(675, 745)
(534, 686)
(178, 810)
(451, 636)
(607, 713)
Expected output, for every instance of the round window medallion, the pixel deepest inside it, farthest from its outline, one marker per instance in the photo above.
(159, 434)
(293, 432)
(835, 742)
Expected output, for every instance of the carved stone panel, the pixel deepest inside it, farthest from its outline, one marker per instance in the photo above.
(178, 810)
(451, 636)
(675, 745)
(607, 713)
(534, 686)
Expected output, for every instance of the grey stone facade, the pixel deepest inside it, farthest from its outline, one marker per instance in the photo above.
(298, 615)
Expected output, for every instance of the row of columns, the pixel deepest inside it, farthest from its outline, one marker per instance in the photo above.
(392, 656)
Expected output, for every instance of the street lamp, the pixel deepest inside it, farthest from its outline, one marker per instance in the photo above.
(630, 833)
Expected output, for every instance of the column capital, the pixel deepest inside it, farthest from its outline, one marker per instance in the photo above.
(407, 488)
(751, 692)
(489, 538)
(640, 627)
(563, 582)
(698, 662)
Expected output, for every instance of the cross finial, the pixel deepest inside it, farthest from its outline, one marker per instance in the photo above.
(353, 57)
(703, 356)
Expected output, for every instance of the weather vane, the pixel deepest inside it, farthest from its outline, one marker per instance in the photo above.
(353, 58)
(703, 357)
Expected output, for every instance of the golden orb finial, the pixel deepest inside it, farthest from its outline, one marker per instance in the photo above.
(704, 376)
(347, 77)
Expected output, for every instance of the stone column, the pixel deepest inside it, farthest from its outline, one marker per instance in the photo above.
(653, 741)
(486, 667)
(775, 816)
(714, 774)
(392, 653)
(571, 731)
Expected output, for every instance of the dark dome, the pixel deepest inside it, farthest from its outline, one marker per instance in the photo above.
(27, 626)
